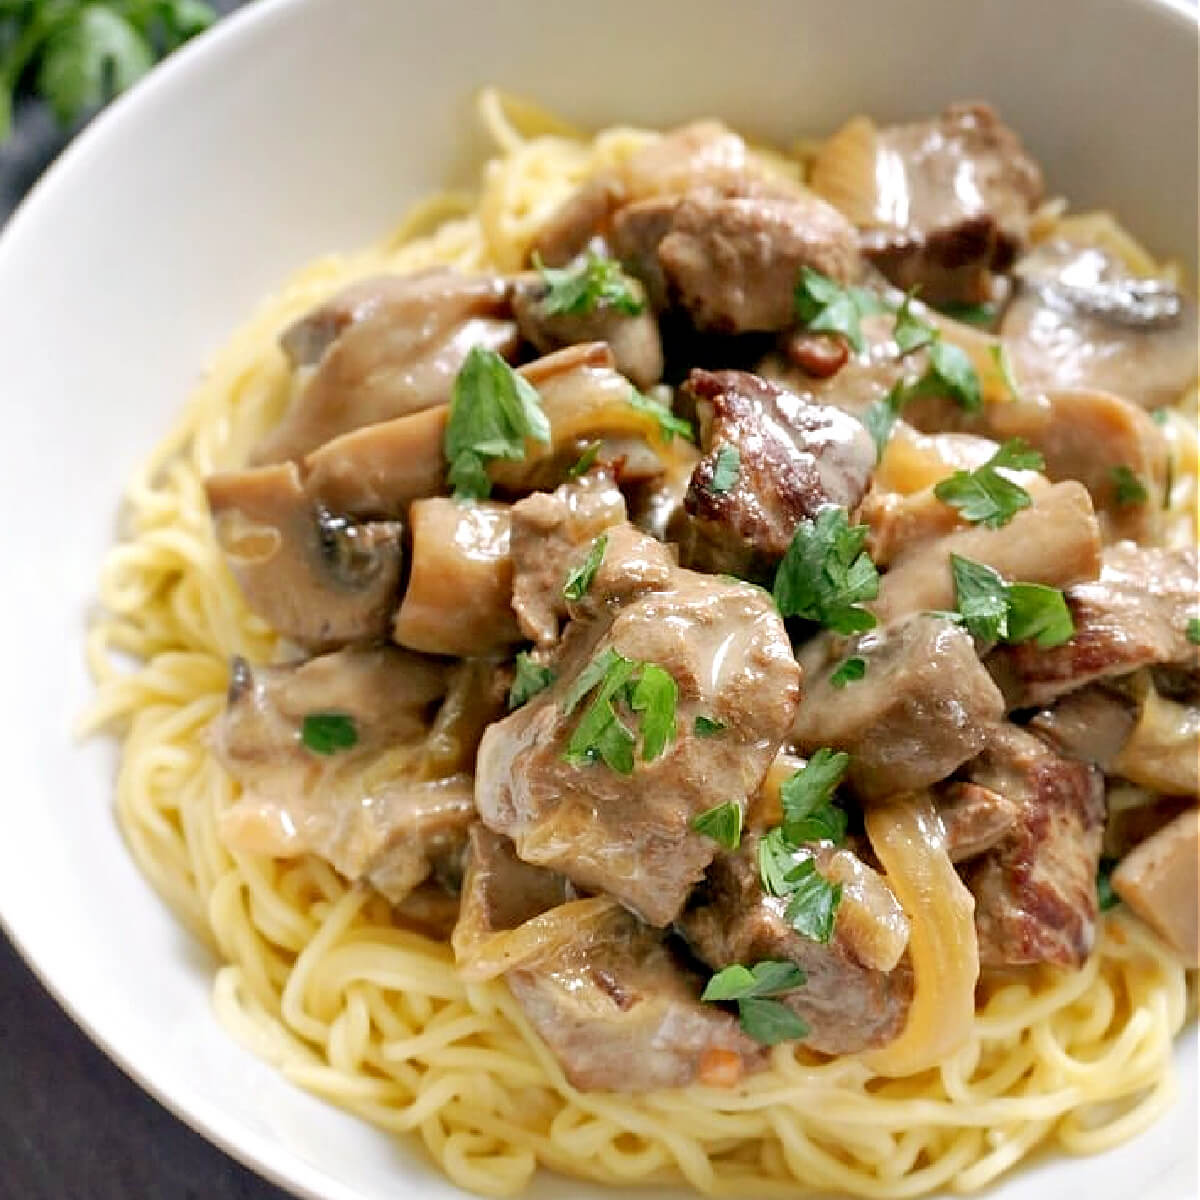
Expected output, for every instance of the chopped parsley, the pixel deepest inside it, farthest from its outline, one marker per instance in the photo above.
(986, 497)
(585, 462)
(1193, 630)
(813, 902)
(580, 579)
(1000, 356)
(531, 678)
(1159, 416)
(1019, 612)
(493, 411)
(723, 824)
(968, 314)
(1128, 489)
(950, 372)
(668, 423)
(823, 305)
(727, 468)
(601, 735)
(706, 727)
(775, 860)
(752, 988)
(809, 814)
(328, 732)
(1105, 895)
(881, 416)
(850, 670)
(826, 573)
(910, 332)
(596, 282)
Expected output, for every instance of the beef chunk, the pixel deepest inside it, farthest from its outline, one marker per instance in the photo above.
(725, 648)
(848, 1006)
(942, 203)
(731, 257)
(1035, 892)
(975, 818)
(770, 460)
(550, 533)
(1134, 615)
(924, 707)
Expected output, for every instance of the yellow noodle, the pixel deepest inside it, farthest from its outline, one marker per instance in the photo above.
(376, 1019)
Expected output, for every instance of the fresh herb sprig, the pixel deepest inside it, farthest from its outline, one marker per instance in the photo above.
(327, 733)
(753, 990)
(78, 54)
(993, 610)
(986, 497)
(592, 283)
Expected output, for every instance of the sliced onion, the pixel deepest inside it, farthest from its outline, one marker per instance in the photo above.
(907, 836)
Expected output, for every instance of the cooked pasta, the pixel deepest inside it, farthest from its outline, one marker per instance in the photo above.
(346, 995)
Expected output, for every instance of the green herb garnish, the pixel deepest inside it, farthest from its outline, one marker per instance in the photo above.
(493, 411)
(328, 732)
(580, 579)
(763, 1018)
(826, 573)
(809, 814)
(726, 470)
(1105, 895)
(706, 727)
(910, 332)
(78, 54)
(850, 670)
(655, 696)
(585, 462)
(1000, 356)
(813, 902)
(1193, 630)
(881, 417)
(984, 495)
(951, 373)
(823, 305)
(968, 314)
(1128, 487)
(668, 423)
(1019, 612)
(531, 678)
(596, 282)
(723, 824)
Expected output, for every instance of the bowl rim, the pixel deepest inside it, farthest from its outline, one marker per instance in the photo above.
(258, 1152)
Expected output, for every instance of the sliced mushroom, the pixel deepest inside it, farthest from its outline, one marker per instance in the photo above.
(1158, 881)
(383, 348)
(316, 577)
(459, 596)
(1083, 320)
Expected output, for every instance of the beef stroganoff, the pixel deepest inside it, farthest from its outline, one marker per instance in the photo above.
(683, 666)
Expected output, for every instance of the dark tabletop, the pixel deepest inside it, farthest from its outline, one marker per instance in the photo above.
(72, 1126)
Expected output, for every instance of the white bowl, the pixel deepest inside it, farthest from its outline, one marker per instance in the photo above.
(302, 126)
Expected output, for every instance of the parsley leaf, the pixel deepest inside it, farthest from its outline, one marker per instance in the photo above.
(1107, 898)
(1193, 630)
(654, 696)
(984, 495)
(531, 678)
(328, 732)
(585, 462)
(968, 314)
(826, 573)
(910, 332)
(770, 977)
(723, 824)
(706, 727)
(775, 859)
(994, 610)
(950, 371)
(850, 670)
(881, 416)
(769, 1022)
(823, 305)
(1129, 489)
(728, 467)
(981, 596)
(764, 1019)
(813, 902)
(601, 735)
(1039, 614)
(583, 287)
(668, 423)
(580, 579)
(1000, 356)
(493, 411)
(809, 814)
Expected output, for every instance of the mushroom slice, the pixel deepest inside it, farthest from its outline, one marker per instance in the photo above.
(316, 577)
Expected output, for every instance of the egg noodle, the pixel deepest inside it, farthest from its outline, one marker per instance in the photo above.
(319, 979)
